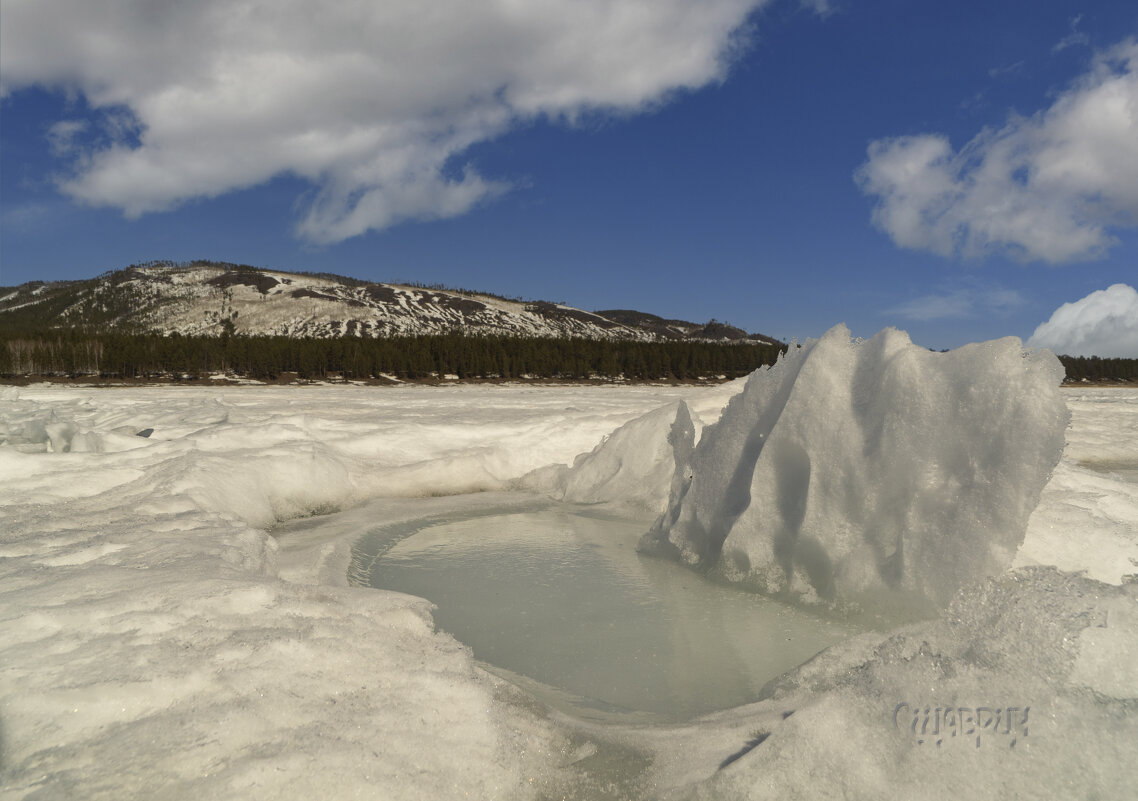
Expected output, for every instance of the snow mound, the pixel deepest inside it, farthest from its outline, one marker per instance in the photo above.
(636, 467)
(871, 471)
(1024, 689)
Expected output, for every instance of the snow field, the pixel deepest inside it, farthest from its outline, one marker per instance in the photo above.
(157, 641)
(147, 645)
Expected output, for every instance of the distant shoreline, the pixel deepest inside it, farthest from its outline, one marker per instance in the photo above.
(96, 382)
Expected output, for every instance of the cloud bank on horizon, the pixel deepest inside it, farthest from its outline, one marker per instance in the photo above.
(372, 103)
(1043, 188)
(1104, 323)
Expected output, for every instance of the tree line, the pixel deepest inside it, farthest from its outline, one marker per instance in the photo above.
(75, 352)
(127, 355)
(1092, 368)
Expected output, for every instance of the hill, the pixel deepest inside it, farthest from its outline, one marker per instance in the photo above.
(206, 298)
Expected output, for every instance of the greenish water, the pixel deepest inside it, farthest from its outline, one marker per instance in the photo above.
(559, 600)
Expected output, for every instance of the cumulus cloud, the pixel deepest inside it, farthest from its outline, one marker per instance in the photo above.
(1043, 188)
(374, 103)
(1104, 323)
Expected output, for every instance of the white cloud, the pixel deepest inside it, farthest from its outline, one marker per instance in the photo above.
(936, 307)
(958, 303)
(822, 8)
(1075, 38)
(1008, 69)
(1043, 188)
(371, 101)
(1104, 323)
(61, 136)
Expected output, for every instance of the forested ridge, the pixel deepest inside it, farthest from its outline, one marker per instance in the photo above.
(124, 355)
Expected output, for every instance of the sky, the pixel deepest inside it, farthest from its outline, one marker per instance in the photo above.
(961, 170)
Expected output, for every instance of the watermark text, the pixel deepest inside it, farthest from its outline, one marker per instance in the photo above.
(936, 725)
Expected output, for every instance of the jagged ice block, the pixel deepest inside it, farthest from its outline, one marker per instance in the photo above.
(866, 471)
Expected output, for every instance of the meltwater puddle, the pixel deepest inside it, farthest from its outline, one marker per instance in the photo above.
(558, 599)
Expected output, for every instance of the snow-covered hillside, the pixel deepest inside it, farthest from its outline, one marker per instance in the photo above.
(209, 299)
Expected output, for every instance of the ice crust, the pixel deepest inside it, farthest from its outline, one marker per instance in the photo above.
(855, 471)
(158, 641)
(1088, 493)
(1023, 690)
(636, 467)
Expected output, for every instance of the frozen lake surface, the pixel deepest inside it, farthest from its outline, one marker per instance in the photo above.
(173, 626)
(560, 596)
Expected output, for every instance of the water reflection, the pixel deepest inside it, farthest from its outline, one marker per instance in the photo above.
(560, 596)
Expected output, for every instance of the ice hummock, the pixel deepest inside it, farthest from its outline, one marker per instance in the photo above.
(855, 470)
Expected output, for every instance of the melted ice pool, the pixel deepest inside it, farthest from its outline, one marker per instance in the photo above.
(559, 600)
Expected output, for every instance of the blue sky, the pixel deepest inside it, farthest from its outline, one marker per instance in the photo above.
(960, 170)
